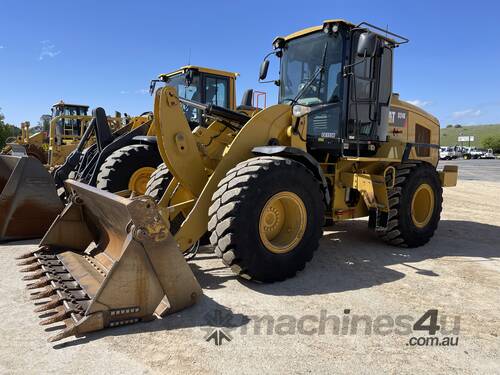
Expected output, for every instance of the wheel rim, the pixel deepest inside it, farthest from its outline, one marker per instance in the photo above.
(139, 179)
(282, 222)
(422, 205)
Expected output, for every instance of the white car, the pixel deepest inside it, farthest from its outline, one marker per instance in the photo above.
(446, 153)
(472, 153)
(488, 154)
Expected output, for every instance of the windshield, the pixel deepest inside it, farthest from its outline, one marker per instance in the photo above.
(190, 92)
(302, 58)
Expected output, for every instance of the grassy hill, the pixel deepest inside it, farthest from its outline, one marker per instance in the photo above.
(449, 135)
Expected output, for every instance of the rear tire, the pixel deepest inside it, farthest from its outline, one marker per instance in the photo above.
(119, 167)
(238, 212)
(415, 205)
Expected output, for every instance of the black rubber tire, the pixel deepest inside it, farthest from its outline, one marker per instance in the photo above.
(401, 231)
(115, 172)
(236, 208)
(158, 182)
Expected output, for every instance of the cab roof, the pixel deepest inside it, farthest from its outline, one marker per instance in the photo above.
(61, 103)
(313, 29)
(348, 24)
(184, 69)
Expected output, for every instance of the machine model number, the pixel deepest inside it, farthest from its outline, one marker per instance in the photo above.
(398, 118)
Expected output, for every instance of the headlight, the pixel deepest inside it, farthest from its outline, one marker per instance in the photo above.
(300, 110)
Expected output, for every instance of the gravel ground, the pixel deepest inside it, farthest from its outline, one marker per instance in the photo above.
(353, 273)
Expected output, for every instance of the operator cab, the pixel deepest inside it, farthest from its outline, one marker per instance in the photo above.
(67, 128)
(338, 77)
(207, 86)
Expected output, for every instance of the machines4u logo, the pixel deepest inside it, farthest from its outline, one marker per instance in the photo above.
(219, 322)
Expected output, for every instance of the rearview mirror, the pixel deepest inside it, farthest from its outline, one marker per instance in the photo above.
(367, 44)
(263, 70)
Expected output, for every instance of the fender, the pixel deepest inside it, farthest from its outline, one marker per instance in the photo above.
(145, 140)
(300, 156)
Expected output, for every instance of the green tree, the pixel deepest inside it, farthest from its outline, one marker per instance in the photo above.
(6, 131)
(493, 142)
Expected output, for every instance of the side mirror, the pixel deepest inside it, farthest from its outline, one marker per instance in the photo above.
(152, 86)
(367, 44)
(263, 70)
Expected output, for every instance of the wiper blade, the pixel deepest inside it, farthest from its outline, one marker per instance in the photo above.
(320, 69)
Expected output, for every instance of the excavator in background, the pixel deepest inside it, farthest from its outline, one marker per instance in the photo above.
(338, 145)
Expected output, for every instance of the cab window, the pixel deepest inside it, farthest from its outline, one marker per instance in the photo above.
(216, 91)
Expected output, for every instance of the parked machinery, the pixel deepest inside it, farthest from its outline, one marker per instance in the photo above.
(118, 161)
(338, 145)
(67, 126)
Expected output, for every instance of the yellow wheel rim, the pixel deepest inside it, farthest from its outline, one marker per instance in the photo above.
(139, 180)
(422, 205)
(282, 222)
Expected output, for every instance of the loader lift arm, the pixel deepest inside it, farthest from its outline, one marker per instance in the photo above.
(228, 117)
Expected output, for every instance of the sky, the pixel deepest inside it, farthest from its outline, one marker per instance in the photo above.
(104, 53)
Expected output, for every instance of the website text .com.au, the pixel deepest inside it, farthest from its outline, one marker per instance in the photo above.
(225, 325)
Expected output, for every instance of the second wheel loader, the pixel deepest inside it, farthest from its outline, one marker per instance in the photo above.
(338, 145)
(119, 162)
(129, 168)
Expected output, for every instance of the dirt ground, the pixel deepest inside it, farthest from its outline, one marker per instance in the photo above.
(278, 328)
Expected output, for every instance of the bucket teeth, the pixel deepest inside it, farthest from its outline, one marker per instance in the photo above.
(54, 302)
(27, 261)
(70, 330)
(25, 255)
(34, 275)
(60, 314)
(44, 281)
(31, 268)
(46, 292)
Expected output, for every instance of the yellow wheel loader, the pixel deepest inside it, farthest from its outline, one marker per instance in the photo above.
(28, 193)
(66, 128)
(128, 169)
(338, 145)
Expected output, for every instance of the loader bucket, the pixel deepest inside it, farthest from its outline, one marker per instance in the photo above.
(28, 198)
(107, 261)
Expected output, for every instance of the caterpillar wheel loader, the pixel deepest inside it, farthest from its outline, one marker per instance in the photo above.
(338, 145)
(128, 169)
(66, 128)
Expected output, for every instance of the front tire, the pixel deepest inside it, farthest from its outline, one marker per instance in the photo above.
(158, 182)
(415, 205)
(129, 168)
(266, 218)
